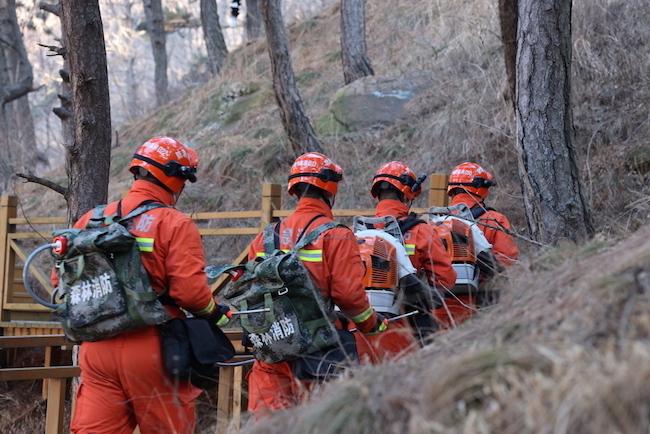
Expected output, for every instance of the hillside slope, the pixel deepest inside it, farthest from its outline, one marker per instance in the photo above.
(233, 120)
(567, 350)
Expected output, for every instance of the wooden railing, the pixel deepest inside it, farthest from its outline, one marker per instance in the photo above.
(20, 316)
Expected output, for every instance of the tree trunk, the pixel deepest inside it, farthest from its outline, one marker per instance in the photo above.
(508, 22)
(353, 41)
(155, 18)
(22, 137)
(6, 168)
(555, 206)
(212, 35)
(294, 119)
(89, 155)
(253, 20)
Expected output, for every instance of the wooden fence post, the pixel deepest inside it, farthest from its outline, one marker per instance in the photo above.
(438, 189)
(271, 200)
(7, 256)
(55, 406)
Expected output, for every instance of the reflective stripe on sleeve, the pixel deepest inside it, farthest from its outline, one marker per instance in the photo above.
(260, 254)
(145, 244)
(363, 316)
(310, 255)
(206, 310)
(410, 249)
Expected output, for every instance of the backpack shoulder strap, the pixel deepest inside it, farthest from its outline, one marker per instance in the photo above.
(478, 211)
(409, 222)
(313, 235)
(97, 218)
(141, 209)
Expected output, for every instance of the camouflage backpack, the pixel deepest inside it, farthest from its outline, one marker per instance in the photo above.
(105, 288)
(298, 321)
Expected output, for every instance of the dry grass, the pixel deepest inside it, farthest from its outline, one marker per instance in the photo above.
(566, 351)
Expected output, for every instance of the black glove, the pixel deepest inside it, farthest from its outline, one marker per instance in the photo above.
(221, 315)
(380, 326)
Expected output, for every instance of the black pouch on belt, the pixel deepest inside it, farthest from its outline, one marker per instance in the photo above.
(326, 364)
(191, 348)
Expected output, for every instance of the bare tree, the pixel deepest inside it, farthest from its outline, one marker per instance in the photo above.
(89, 155)
(253, 20)
(16, 81)
(555, 206)
(294, 119)
(214, 43)
(155, 18)
(508, 22)
(353, 41)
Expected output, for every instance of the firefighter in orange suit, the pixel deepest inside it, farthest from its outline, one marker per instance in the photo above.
(334, 264)
(469, 183)
(395, 186)
(123, 382)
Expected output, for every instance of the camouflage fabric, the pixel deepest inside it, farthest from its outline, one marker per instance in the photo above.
(299, 320)
(107, 290)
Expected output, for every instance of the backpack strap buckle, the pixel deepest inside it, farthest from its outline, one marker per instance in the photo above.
(283, 290)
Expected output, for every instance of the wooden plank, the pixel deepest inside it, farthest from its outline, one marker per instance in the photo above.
(55, 406)
(271, 201)
(29, 236)
(48, 324)
(7, 258)
(38, 221)
(228, 231)
(237, 397)
(38, 373)
(26, 307)
(438, 189)
(24, 341)
(226, 215)
(46, 362)
(224, 399)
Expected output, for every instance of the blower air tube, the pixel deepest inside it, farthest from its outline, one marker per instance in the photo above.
(28, 287)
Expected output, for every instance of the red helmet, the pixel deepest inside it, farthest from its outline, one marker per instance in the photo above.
(168, 160)
(400, 176)
(470, 178)
(317, 170)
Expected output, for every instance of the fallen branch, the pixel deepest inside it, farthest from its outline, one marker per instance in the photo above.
(28, 177)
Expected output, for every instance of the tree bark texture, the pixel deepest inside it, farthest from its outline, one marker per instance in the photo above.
(294, 119)
(214, 43)
(354, 54)
(5, 149)
(89, 154)
(155, 18)
(555, 206)
(253, 20)
(16, 83)
(508, 22)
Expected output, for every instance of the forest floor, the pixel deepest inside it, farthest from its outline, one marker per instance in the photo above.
(571, 329)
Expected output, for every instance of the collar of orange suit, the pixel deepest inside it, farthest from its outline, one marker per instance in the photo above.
(308, 205)
(467, 199)
(391, 207)
(145, 190)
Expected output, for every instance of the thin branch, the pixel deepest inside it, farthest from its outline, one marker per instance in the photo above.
(28, 177)
(18, 91)
(51, 8)
(54, 50)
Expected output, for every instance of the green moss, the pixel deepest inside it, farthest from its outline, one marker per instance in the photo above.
(327, 125)
(333, 56)
(261, 133)
(243, 105)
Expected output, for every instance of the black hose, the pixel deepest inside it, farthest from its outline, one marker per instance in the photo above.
(28, 287)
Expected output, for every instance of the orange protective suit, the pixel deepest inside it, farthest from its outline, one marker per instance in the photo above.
(337, 270)
(429, 257)
(461, 307)
(123, 382)
(491, 222)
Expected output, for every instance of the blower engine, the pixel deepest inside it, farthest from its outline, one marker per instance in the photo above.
(382, 251)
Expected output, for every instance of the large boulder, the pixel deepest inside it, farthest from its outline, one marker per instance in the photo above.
(372, 101)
